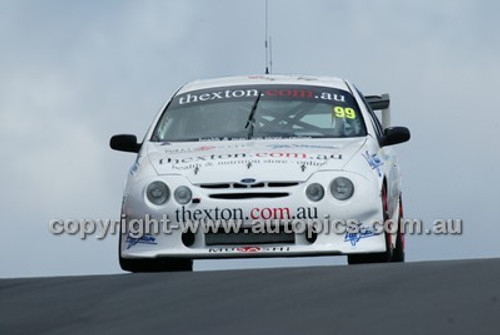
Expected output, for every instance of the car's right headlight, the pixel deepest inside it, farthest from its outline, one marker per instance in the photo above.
(315, 192)
(158, 193)
(342, 188)
(183, 195)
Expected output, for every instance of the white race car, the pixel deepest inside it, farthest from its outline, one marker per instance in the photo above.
(263, 166)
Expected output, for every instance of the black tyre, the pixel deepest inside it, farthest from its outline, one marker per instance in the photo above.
(398, 254)
(156, 264)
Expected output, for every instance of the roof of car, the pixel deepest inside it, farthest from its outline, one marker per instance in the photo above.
(267, 79)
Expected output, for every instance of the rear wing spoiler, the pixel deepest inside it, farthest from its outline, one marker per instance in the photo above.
(381, 103)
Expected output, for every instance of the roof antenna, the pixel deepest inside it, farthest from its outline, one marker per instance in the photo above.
(267, 44)
(270, 55)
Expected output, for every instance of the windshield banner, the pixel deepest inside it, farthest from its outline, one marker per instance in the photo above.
(266, 92)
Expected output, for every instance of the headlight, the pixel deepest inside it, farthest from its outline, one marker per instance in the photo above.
(158, 193)
(315, 192)
(342, 188)
(183, 195)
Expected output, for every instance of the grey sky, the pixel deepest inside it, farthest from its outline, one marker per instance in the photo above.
(74, 73)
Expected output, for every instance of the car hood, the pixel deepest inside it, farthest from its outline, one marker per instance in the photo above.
(252, 160)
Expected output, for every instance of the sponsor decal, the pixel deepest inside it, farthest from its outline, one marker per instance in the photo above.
(276, 92)
(307, 78)
(144, 239)
(184, 214)
(189, 150)
(363, 232)
(134, 168)
(295, 146)
(374, 161)
(250, 156)
(248, 159)
(261, 77)
(255, 138)
(248, 249)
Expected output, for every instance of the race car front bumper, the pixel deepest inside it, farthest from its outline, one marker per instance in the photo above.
(307, 228)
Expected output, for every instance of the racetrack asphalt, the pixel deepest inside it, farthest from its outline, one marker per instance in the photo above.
(441, 297)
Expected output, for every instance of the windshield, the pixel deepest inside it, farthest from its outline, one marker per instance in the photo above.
(261, 111)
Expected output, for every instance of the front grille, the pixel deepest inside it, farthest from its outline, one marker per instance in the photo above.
(239, 185)
(220, 185)
(269, 184)
(221, 238)
(249, 195)
(282, 184)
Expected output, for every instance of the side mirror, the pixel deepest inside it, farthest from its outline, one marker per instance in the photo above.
(127, 143)
(395, 135)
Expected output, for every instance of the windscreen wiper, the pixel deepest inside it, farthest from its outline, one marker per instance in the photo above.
(250, 121)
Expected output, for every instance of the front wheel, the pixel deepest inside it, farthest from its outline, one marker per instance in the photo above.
(378, 257)
(398, 255)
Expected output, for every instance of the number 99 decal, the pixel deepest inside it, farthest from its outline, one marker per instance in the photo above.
(343, 113)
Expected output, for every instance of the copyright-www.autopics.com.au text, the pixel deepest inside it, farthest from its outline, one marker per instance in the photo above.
(138, 227)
